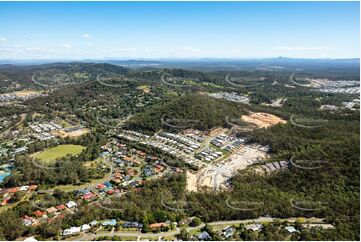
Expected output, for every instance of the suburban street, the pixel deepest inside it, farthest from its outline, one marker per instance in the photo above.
(88, 237)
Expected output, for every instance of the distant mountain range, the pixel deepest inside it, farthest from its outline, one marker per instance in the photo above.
(205, 63)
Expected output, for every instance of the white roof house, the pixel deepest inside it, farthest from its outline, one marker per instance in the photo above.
(291, 229)
(85, 227)
(24, 188)
(72, 230)
(71, 204)
(253, 227)
(30, 239)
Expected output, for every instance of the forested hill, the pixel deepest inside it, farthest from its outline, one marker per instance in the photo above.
(196, 111)
(24, 73)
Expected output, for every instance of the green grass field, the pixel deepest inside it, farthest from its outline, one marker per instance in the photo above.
(58, 152)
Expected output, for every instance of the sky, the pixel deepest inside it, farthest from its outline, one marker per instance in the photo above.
(124, 30)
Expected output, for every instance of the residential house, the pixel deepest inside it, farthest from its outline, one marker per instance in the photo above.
(132, 225)
(111, 192)
(85, 227)
(39, 213)
(14, 189)
(131, 172)
(5, 201)
(228, 232)
(32, 187)
(27, 220)
(30, 239)
(291, 229)
(60, 207)
(72, 230)
(100, 186)
(104, 154)
(89, 196)
(93, 223)
(111, 222)
(51, 210)
(158, 168)
(81, 192)
(20, 150)
(24, 188)
(148, 171)
(253, 227)
(157, 225)
(204, 236)
(71, 204)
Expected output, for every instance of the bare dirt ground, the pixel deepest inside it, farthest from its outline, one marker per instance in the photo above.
(191, 182)
(263, 120)
(72, 134)
(77, 133)
(215, 175)
(144, 88)
(24, 93)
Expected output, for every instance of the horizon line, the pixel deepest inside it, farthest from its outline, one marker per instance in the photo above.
(176, 58)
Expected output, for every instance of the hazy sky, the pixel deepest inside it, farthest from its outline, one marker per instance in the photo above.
(77, 30)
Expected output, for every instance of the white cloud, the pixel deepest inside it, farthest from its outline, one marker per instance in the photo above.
(188, 49)
(314, 48)
(66, 46)
(128, 50)
(283, 48)
(86, 35)
(302, 48)
(2, 40)
(89, 44)
(33, 49)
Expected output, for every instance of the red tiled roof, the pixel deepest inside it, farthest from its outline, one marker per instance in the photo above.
(157, 225)
(88, 196)
(110, 192)
(14, 189)
(26, 217)
(159, 166)
(39, 213)
(100, 186)
(5, 201)
(60, 207)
